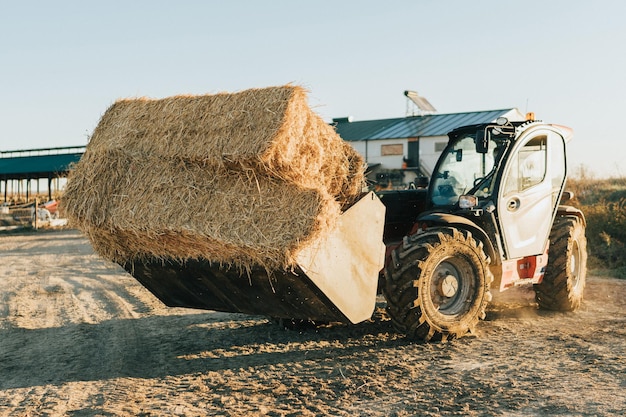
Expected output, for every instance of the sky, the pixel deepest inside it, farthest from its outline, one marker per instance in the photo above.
(63, 63)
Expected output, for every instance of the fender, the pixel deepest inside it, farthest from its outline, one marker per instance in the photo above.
(446, 219)
(571, 211)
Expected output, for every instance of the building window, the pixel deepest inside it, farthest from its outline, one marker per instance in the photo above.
(440, 146)
(396, 149)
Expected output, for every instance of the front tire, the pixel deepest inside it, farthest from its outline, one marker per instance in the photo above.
(437, 284)
(564, 281)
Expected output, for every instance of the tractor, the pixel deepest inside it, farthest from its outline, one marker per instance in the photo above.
(493, 217)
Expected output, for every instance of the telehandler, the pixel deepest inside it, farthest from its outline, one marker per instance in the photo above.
(492, 218)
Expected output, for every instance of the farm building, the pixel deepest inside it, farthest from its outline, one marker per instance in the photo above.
(399, 150)
(22, 171)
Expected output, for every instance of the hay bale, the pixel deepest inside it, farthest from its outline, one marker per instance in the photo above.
(228, 216)
(240, 179)
(270, 129)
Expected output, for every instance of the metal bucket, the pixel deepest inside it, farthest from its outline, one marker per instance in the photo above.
(336, 277)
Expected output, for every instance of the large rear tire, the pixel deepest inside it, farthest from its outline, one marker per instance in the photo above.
(564, 281)
(437, 284)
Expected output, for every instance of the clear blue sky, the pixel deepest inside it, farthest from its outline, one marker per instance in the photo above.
(63, 63)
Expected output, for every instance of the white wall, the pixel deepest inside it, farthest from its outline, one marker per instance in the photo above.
(427, 149)
(430, 149)
(514, 115)
(372, 149)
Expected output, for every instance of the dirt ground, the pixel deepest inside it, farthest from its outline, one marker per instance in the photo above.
(80, 337)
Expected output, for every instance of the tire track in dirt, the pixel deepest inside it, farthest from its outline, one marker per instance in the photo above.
(82, 338)
(54, 308)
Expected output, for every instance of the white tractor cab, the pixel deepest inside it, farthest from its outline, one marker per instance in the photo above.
(493, 219)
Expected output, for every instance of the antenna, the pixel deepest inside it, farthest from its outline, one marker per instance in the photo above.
(419, 105)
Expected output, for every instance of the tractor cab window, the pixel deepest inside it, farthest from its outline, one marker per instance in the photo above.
(462, 169)
(529, 167)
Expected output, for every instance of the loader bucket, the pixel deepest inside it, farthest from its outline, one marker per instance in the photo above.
(336, 277)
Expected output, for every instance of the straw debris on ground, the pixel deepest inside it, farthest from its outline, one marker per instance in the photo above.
(247, 178)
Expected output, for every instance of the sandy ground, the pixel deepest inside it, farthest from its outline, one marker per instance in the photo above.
(80, 337)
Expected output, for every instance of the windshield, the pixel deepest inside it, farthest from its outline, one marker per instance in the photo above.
(462, 170)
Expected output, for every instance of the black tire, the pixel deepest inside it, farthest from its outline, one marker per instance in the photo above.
(420, 281)
(564, 281)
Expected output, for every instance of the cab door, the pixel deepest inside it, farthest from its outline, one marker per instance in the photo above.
(529, 192)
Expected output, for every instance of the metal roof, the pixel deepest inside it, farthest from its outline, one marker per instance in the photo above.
(412, 126)
(35, 166)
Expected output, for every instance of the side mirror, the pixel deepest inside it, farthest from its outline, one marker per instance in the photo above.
(459, 155)
(482, 141)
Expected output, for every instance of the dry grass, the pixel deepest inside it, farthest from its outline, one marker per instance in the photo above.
(603, 202)
(246, 178)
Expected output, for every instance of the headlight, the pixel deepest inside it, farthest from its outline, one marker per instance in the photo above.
(468, 201)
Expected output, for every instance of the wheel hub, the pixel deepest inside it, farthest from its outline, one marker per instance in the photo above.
(448, 286)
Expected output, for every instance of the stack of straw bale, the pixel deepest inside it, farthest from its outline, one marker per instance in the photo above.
(249, 178)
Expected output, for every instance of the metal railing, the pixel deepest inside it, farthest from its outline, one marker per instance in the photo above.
(43, 151)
